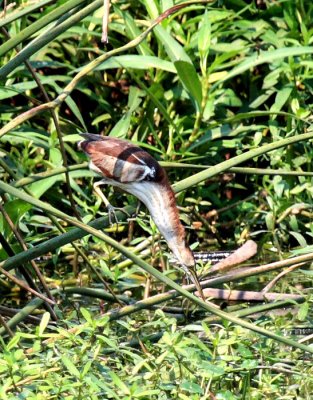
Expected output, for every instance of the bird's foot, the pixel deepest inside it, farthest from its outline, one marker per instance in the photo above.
(112, 213)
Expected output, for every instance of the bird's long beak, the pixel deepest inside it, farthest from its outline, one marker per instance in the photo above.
(193, 275)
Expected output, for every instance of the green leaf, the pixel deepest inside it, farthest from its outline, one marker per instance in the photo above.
(173, 49)
(299, 237)
(122, 126)
(152, 8)
(132, 31)
(39, 188)
(134, 99)
(70, 366)
(135, 62)
(26, 136)
(86, 368)
(72, 105)
(279, 185)
(16, 209)
(303, 311)
(13, 342)
(228, 98)
(14, 90)
(270, 221)
(44, 323)
(119, 383)
(204, 36)
(101, 118)
(303, 271)
(86, 314)
(55, 157)
(190, 80)
(281, 98)
(191, 387)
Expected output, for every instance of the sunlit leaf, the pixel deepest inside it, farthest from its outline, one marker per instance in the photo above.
(190, 80)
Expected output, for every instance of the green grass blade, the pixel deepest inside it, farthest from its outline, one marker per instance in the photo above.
(136, 62)
(191, 82)
(173, 49)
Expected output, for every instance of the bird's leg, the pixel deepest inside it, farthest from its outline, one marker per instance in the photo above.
(137, 208)
(110, 208)
(191, 273)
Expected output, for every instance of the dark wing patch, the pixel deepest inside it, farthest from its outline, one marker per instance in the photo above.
(139, 164)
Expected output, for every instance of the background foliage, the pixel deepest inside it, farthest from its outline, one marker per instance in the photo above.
(211, 82)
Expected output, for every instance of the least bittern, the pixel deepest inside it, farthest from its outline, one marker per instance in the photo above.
(135, 171)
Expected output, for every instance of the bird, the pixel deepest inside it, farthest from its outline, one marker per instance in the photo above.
(123, 164)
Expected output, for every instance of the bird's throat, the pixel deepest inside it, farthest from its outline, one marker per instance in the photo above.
(161, 203)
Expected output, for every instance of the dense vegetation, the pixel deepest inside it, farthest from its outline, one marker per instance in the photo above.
(220, 92)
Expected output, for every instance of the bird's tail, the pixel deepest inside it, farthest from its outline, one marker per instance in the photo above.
(89, 137)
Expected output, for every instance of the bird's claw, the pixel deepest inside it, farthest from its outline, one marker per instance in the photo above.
(112, 213)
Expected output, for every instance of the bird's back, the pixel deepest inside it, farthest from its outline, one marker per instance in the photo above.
(120, 160)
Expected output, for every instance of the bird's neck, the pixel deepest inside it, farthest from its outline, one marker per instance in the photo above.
(160, 200)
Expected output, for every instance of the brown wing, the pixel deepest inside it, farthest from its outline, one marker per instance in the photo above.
(121, 160)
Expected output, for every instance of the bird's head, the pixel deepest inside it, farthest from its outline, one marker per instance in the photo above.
(184, 255)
